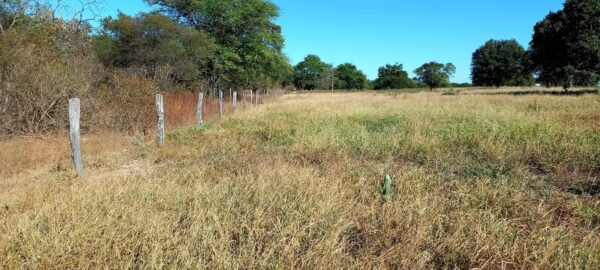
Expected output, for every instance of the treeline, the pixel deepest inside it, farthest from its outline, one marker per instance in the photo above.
(216, 44)
(312, 74)
(564, 51)
(116, 67)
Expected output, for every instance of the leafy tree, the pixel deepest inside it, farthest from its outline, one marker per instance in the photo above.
(434, 74)
(500, 63)
(157, 43)
(348, 77)
(250, 44)
(565, 49)
(310, 73)
(392, 77)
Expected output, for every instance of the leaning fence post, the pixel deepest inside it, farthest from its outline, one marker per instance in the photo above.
(200, 103)
(234, 101)
(220, 103)
(160, 113)
(75, 136)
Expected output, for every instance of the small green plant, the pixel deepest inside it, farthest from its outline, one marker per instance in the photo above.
(3, 207)
(386, 188)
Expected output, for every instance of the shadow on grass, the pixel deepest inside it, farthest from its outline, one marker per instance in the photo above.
(544, 92)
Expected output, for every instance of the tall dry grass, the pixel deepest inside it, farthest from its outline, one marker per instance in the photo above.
(480, 181)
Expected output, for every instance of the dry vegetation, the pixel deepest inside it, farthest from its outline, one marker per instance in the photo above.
(480, 181)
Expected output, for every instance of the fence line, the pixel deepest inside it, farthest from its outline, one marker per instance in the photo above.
(161, 118)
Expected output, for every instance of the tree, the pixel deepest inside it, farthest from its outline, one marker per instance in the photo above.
(392, 77)
(310, 73)
(250, 44)
(348, 77)
(157, 43)
(500, 63)
(434, 74)
(565, 49)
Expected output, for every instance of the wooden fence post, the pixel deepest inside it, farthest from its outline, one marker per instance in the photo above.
(160, 113)
(234, 101)
(75, 136)
(200, 103)
(251, 96)
(220, 104)
(257, 95)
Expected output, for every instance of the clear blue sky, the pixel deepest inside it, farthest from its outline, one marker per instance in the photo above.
(372, 33)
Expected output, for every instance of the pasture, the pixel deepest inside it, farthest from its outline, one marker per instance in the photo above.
(480, 180)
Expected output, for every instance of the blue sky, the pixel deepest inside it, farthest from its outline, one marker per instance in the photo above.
(372, 33)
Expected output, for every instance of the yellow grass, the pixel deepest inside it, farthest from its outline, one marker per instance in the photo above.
(480, 181)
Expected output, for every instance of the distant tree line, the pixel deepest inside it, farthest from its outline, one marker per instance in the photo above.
(564, 51)
(312, 73)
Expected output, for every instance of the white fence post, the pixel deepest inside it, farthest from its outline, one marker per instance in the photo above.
(75, 136)
(220, 104)
(200, 103)
(160, 112)
(251, 96)
(234, 101)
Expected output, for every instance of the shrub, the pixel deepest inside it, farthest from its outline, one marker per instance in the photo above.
(123, 102)
(42, 64)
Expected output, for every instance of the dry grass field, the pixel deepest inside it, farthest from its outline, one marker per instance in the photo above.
(502, 181)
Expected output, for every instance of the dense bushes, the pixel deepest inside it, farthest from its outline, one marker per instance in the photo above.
(157, 46)
(123, 102)
(43, 62)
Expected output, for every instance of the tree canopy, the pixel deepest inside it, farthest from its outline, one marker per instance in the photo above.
(500, 63)
(392, 77)
(311, 73)
(348, 77)
(250, 44)
(565, 49)
(434, 74)
(157, 43)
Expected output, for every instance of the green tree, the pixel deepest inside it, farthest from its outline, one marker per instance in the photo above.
(157, 43)
(250, 44)
(348, 77)
(500, 63)
(565, 49)
(434, 74)
(392, 77)
(311, 73)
